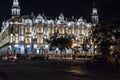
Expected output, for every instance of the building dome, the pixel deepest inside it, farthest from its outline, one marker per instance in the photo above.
(39, 18)
(61, 17)
(50, 22)
(80, 19)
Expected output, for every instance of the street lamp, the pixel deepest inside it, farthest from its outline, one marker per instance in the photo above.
(94, 46)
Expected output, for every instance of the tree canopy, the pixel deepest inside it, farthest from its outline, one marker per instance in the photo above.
(105, 36)
(61, 42)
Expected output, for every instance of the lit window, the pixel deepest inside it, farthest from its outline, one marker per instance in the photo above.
(61, 30)
(11, 37)
(21, 31)
(40, 30)
(21, 38)
(81, 41)
(28, 40)
(16, 39)
(27, 29)
(40, 39)
(71, 31)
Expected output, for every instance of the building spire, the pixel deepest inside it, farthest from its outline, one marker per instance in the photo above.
(15, 11)
(94, 16)
(61, 17)
(94, 5)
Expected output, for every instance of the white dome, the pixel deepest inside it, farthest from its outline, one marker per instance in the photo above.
(80, 19)
(28, 21)
(51, 22)
(70, 23)
(39, 18)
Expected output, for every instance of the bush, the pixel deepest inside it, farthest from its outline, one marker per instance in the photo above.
(21, 56)
(84, 56)
(38, 57)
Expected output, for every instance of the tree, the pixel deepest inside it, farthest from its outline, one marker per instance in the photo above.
(105, 36)
(60, 42)
(85, 45)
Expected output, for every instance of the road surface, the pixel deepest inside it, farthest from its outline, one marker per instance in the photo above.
(43, 70)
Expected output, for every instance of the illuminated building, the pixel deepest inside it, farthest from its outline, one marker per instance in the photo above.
(26, 34)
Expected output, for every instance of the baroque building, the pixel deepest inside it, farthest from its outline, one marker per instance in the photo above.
(26, 34)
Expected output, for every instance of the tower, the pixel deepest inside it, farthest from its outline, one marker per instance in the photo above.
(61, 17)
(15, 11)
(94, 16)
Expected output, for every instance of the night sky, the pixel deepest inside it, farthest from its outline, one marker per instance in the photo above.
(108, 10)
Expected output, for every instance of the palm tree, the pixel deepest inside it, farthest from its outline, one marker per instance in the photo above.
(85, 46)
(60, 42)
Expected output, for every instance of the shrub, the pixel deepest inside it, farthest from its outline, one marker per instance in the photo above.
(38, 57)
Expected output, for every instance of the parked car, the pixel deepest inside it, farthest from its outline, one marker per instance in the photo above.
(12, 58)
(4, 58)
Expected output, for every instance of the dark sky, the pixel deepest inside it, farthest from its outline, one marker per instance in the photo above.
(108, 10)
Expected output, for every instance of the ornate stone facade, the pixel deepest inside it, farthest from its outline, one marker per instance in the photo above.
(26, 34)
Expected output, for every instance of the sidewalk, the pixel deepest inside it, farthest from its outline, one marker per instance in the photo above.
(68, 61)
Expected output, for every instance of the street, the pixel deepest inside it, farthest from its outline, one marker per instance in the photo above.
(45, 70)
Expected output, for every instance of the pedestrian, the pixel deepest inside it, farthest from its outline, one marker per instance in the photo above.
(116, 59)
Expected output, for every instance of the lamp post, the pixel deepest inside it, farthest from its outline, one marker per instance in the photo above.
(94, 39)
(84, 46)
